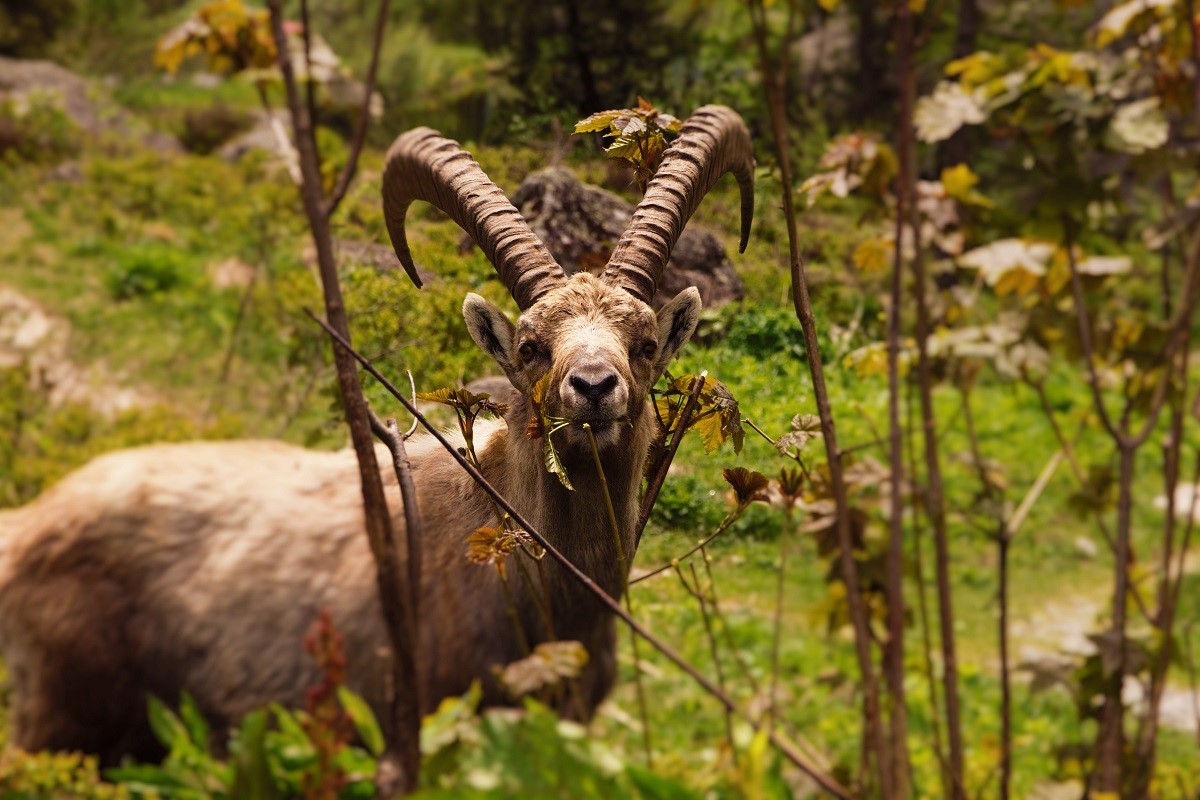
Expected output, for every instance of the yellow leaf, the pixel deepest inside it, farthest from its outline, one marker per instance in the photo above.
(959, 180)
(1017, 280)
(829, 6)
(711, 431)
(873, 255)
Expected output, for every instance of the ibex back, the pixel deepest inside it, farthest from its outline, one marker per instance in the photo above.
(199, 567)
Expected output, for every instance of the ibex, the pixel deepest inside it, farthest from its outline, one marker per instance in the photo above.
(199, 567)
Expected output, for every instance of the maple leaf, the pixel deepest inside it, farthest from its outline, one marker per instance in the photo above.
(805, 428)
(549, 664)
(748, 485)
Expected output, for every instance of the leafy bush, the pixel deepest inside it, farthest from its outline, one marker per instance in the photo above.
(32, 776)
(529, 754)
(688, 504)
(304, 753)
(764, 331)
(205, 129)
(34, 128)
(149, 269)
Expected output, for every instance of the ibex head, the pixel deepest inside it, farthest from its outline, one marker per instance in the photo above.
(597, 339)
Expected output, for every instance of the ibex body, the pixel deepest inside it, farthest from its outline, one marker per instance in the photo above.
(199, 567)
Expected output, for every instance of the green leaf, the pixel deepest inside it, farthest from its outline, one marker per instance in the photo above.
(1139, 126)
(554, 464)
(364, 720)
(655, 787)
(147, 777)
(251, 771)
(167, 727)
(197, 725)
(625, 147)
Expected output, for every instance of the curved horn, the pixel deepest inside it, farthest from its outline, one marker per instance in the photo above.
(423, 165)
(713, 141)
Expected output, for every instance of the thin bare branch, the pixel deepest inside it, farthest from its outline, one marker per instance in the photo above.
(364, 116)
(775, 73)
(400, 766)
(655, 483)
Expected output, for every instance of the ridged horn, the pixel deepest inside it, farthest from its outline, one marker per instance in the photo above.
(714, 140)
(424, 165)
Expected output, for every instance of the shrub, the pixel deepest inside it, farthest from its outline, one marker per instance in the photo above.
(205, 129)
(764, 332)
(688, 504)
(54, 775)
(148, 269)
(34, 128)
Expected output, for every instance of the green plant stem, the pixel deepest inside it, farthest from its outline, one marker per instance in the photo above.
(643, 708)
(726, 630)
(608, 506)
(511, 608)
(777, 622)
(1003, 538)
(784, 746)
(698, 593)
(543, 610)
(923, 601)
(725, 523)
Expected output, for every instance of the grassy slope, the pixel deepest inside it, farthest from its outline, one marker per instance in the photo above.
(74, 245)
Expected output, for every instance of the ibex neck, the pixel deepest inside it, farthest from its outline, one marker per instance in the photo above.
(577, 521)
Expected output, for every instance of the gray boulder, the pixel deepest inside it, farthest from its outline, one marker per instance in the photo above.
(580, 224)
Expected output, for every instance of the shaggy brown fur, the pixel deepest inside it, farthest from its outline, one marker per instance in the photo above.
(200, 566)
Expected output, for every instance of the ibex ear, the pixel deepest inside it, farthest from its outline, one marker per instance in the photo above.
(491, 330)
(677, 322)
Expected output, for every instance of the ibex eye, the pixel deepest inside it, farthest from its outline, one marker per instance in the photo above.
(649, 348)
(527, 350)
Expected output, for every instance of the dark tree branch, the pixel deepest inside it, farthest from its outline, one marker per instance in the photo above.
(786, 748)
(400, 766)
(389, 433)
(775, 71)
(364, 116)
(310, 85)
(655, 482)
(893, 651)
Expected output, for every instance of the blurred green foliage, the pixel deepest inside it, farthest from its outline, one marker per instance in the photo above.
(34, 128)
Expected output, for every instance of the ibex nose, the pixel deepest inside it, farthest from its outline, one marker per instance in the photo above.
(594, 386)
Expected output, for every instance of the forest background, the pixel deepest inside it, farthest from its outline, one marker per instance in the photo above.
(1017, 617)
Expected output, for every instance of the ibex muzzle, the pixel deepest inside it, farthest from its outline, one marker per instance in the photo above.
(199, 567)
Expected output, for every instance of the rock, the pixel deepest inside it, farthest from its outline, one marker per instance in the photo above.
(262, 135)
(231, 273)
(1086, 547)
(580, 224)
(88, 105)
(497, 386)
(380, 257)
(19, 78)
(31, 336)
(1186, 501)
